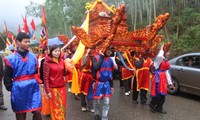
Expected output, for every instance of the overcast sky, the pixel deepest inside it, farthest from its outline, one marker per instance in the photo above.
(12, 10)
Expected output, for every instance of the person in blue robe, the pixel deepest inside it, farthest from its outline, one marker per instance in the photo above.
(22, 81)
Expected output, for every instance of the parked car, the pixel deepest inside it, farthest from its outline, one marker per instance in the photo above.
(185, 73)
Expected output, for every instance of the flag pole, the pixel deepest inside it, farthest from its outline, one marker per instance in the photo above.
(2, 39)
(43, 18)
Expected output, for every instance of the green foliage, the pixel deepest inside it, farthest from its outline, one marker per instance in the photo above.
(189, 36)
(62, 14)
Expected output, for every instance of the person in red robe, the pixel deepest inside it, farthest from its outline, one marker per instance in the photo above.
(86, 79)
(160, 79)
(141, 82)
(127, 76)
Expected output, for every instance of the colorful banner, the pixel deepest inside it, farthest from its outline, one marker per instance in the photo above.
(77, 56)
(122, 60)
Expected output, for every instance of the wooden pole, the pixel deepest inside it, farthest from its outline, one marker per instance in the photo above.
(2, 39)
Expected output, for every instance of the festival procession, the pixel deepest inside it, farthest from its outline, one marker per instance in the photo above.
(102, 60)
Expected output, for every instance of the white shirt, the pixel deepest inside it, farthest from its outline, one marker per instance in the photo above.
(157, 62)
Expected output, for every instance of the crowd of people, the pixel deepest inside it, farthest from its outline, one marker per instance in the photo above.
(38, 85)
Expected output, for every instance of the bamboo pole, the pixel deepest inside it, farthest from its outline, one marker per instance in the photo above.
(2, 39)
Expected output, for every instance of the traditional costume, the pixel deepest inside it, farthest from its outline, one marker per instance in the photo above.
(102, 69)
(45, 99)
(127, 78)
(102, 86)
(85, 77)
(69, 76)
(25, 91)
(143, 75)
(142, 80)
(160, 79)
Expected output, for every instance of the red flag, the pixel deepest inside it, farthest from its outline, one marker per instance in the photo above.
(33, 36)
(26, 29)
(43, 17)
(19, 29)
(9, 35)
(13, 40)
(5, 28)
(33, 25)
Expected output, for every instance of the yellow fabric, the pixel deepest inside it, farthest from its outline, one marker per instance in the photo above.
(126, 56)
(77, 56)
(81, 48)
(46, 110)
(107, 7)
(79, 52)
(93, 5)
(55, 59)
(75, 86)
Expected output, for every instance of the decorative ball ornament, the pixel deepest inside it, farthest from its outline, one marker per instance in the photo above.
(113, 7)
(88, 6)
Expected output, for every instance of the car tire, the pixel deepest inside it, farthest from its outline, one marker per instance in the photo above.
(176, 89)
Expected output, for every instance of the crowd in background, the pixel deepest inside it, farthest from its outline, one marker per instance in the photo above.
(38, 81)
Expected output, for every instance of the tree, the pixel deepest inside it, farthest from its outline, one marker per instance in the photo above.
(61, 15)
(182, 28)
(34, 9)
